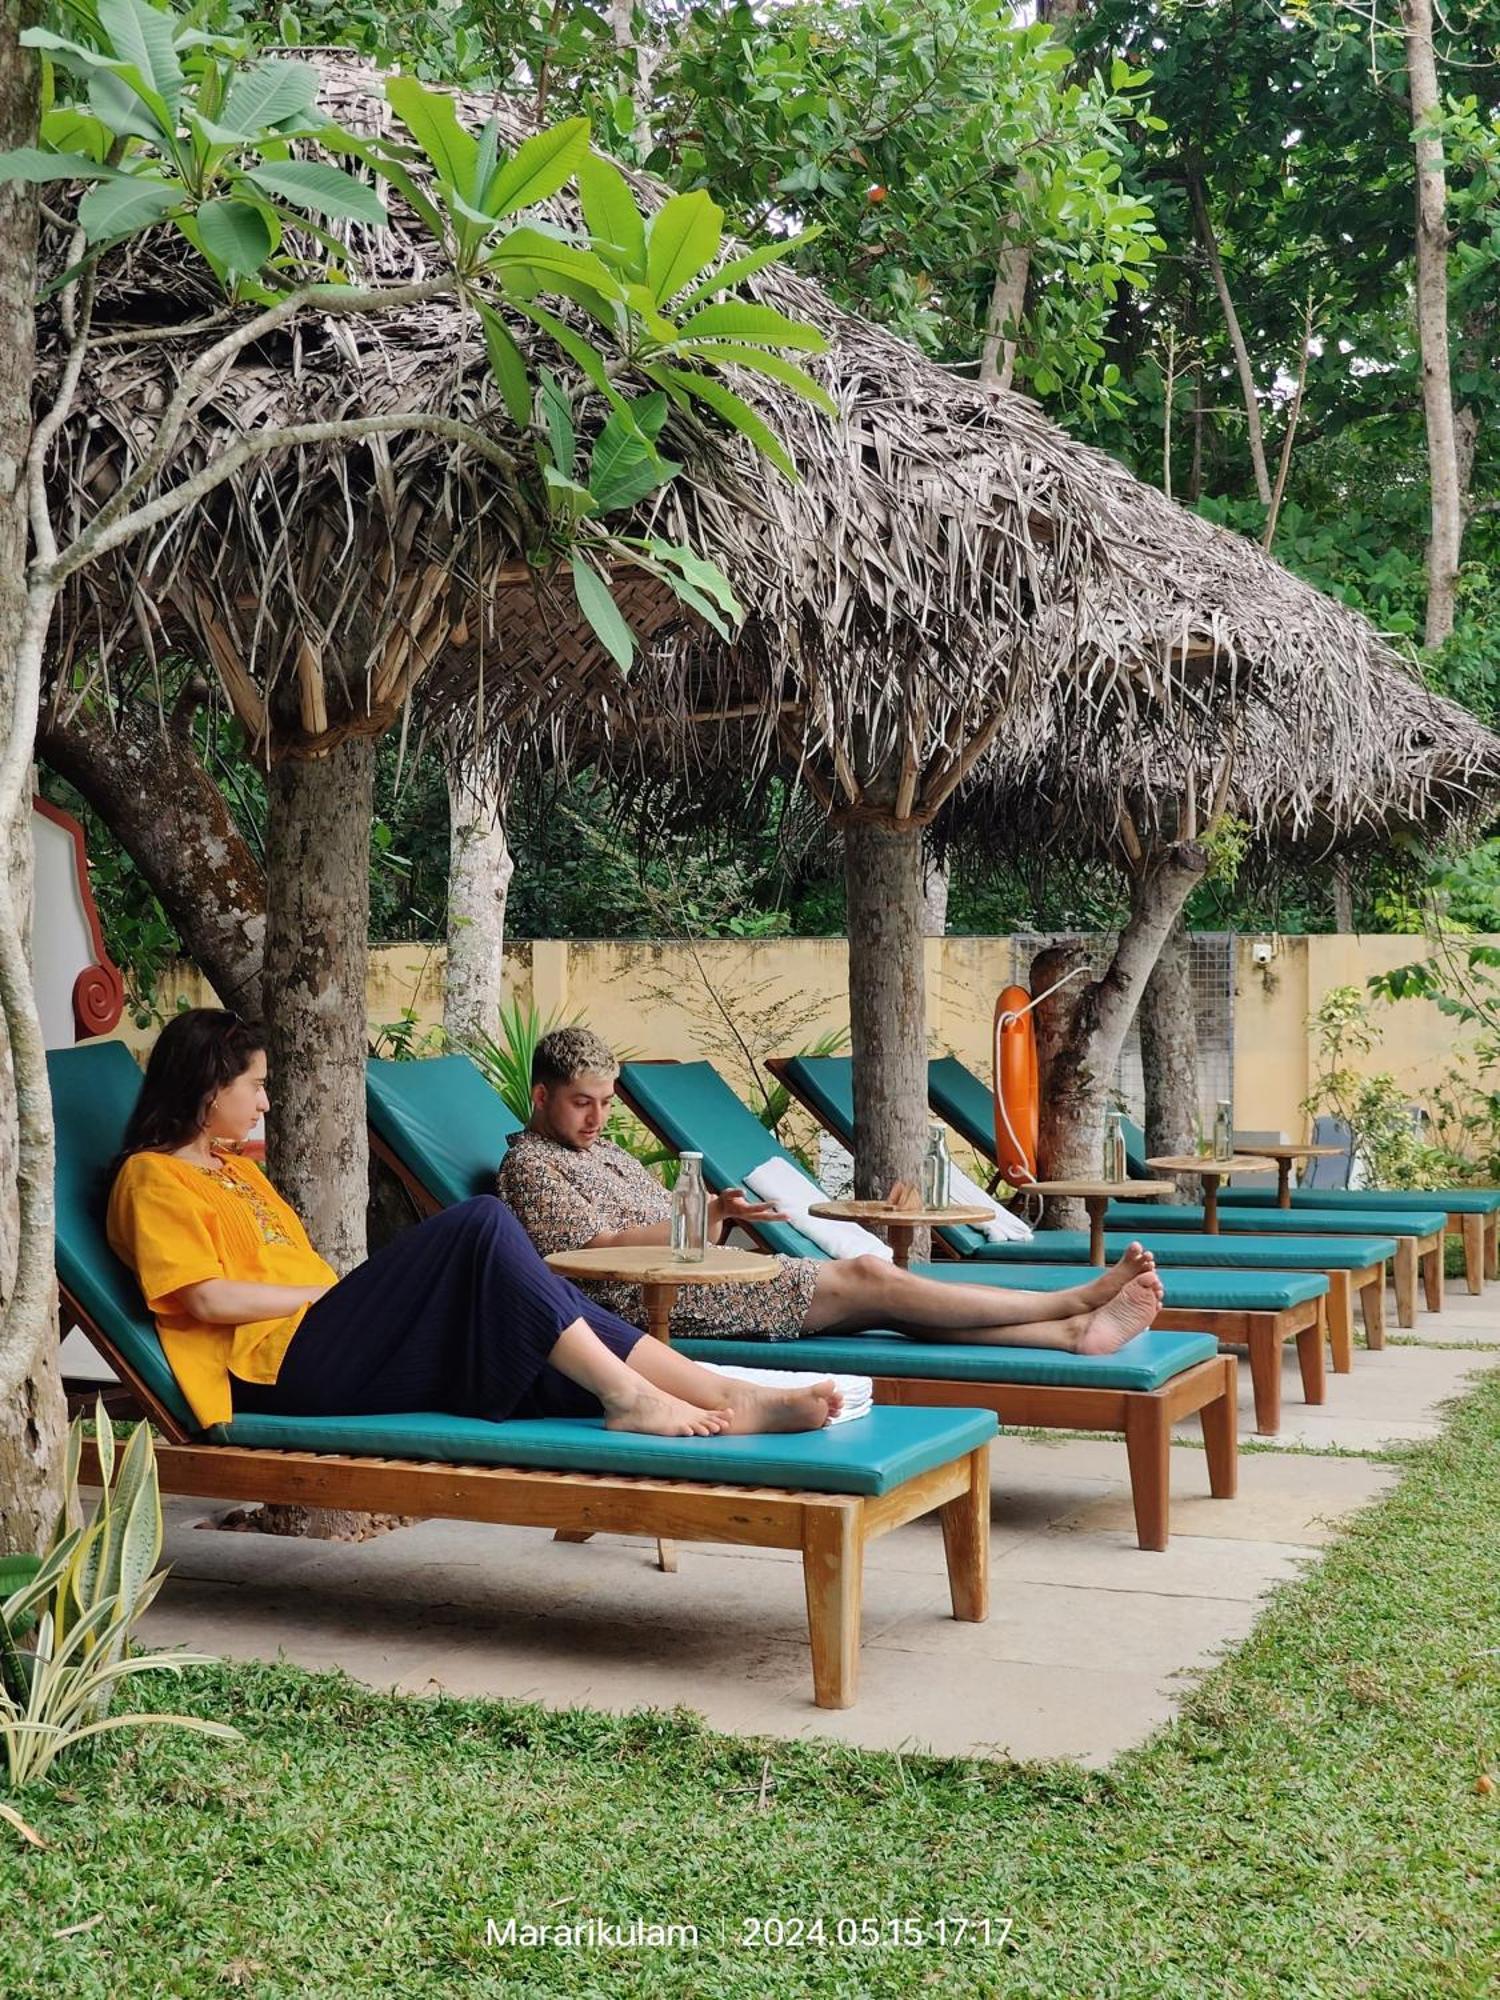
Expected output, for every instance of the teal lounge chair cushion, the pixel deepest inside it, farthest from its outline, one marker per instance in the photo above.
(1143, 1363)
(1157, 1215)
(964, 1101)
(94, 1089)
(442, 1121)
(1452, 1201)
(872, 1455)
(1186, 1251)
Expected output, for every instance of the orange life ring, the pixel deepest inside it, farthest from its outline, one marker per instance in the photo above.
(1017, 1096)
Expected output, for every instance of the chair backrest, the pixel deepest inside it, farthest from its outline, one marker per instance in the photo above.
(94, 1089)
(442, 1121)
(964, 1101)
(690, 1106)
(1332, 1172)
(825, 1085)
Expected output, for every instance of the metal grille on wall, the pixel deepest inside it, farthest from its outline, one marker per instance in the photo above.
(1211, 962)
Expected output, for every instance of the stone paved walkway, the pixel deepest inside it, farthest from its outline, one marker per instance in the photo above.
(1090, 1644)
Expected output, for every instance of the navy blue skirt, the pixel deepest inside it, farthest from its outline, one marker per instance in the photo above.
(459, 1314)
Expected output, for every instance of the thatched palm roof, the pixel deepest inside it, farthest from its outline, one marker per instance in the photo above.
(1430, 770)
(950, 566)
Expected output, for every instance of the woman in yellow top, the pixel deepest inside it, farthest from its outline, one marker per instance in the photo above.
(459, 1314)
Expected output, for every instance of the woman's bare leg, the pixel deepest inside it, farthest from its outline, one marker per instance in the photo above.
(631, 1402)
(754, 1408)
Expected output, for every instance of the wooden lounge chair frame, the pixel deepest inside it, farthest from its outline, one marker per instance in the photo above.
(1207, 1390)
(1262, 1334)
(830, 1530)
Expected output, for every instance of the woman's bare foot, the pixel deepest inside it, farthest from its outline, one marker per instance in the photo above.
(1129, 1312)
(758, 1408)
(656, 1414)
(1135, 1263)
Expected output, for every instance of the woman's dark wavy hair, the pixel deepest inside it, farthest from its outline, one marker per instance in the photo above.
(196, 1055)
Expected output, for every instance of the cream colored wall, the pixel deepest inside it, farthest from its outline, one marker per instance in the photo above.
(736, 1001)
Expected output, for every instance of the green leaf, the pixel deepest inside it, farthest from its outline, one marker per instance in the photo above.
(588, 358)
(565, 497)
(431, 117)
(36, 166)
(626, 466)
(546, 162)
(507, 365)
(736, 412)
(527, 249)
(67, 129)
(683, 236)
(596, 602)
(377, 155)
(703, 574)
(774, 365)
(739, 268)
(236, 233)
(611, 214)
(557, 414)
(737, 319)
(121, 110)
(126, 204)
(266, 94)
(142, 35)
(320, 188)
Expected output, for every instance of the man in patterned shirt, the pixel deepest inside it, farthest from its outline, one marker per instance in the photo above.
(573, 1189)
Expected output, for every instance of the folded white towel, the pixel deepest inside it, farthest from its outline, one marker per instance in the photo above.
(780, 1182)
(1003, 1227)
(858, 1390)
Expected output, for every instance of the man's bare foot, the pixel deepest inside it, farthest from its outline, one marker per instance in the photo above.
(1135, 1263)
(656, 1414)
(1121, 1318)
(758, 1408)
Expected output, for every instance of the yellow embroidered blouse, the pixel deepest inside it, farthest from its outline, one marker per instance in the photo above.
(178, 1224)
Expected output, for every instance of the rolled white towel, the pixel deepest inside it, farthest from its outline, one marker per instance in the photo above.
(858, 1390)
(779, 1181)
(1002, 1227)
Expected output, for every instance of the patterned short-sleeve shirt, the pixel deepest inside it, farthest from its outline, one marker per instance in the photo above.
(566, 1197)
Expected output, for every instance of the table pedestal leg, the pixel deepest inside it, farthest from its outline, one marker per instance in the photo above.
(899, 1236)
(1096, 1206)
(1283, 1183)
(659, 1300)
(1210, 1204)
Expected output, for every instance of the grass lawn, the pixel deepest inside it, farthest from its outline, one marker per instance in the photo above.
(1315, 1824)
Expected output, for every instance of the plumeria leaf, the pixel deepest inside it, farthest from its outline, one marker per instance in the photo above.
(596, 602)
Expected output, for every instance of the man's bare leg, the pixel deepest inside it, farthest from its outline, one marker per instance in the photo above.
(1096, 1317)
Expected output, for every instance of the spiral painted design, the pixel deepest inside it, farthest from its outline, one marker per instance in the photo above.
(98, 1000)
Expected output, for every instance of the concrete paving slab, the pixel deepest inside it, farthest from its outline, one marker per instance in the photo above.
(1190, 1566)
(1282, 1498)
(1462, 1318)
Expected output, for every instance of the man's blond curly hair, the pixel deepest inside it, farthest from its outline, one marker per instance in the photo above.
(568, 1053)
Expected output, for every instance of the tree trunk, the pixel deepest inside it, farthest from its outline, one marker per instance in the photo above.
(145, 780)
(643, 60)
(997, 357)
(479, 872)
(1169, 1047)
(32, 1415)
(1445, 537)
(317, 951)
(887, 1002)
(1236, 339)
(934, 896)
(1082, 1029)
(1343, 897)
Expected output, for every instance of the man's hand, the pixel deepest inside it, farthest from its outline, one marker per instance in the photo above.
(724, 1210)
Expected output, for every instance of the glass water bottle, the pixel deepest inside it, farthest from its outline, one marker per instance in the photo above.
(937, 1171)
(1223, 1130)
(1114, 1148)
(690, 1211)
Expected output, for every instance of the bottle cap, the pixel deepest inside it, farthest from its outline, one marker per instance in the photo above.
(690, 1156)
